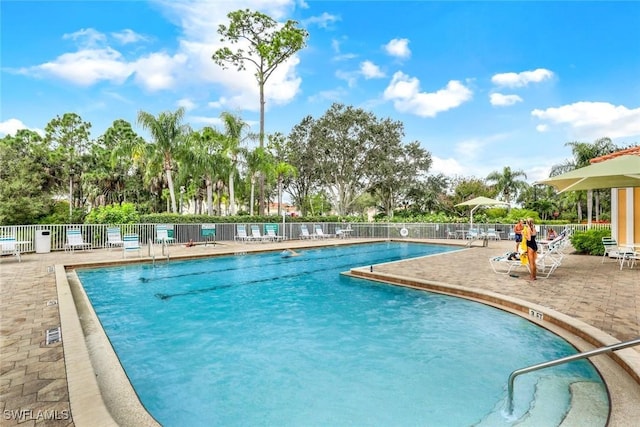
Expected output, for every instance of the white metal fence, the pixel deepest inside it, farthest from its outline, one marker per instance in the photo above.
(96, 234)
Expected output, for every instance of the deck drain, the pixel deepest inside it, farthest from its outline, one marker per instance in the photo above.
(51, 268)
(53, 336)
(52, 302)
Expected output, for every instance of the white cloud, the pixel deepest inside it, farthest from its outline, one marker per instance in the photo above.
(322, 21)
(128, 36)
(500, 100)
(351, 77)
(86, 37)
(447, 167)
(370, 70)
(187, 104)
(335, 95)
(405, 93)
(521, 79)
(398, 48)
(11, 126)
(158, 71)
(593, 120)
(189, 66)
(542, 128)
(85, 67)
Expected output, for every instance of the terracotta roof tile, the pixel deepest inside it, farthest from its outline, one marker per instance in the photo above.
(629, 151)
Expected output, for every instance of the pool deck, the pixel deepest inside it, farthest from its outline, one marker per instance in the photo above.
(34, 381)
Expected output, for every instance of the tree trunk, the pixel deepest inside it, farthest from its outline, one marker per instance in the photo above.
(589, 207)
(253, 189)
(172, 193)
(232, 196)
(261, 198)
(209, 196)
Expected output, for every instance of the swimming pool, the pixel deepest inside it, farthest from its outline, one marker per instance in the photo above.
(262, 340)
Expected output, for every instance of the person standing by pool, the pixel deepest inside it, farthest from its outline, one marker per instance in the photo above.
(518, 233)
(529, 235)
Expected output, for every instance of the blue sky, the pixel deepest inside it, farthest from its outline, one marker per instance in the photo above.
(481, 85)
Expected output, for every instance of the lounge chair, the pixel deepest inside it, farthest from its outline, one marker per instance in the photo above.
(473, 234)
(114, 239)
(451, 234)
(162, 234)
(546, 264)
(493, 234)
(9, 246)
(319, 232)
(257, 236)
(505, 264)
(241, 233)
(130, 243)
(611, 249)
(270, 230)
(75, 241)
(304, 233)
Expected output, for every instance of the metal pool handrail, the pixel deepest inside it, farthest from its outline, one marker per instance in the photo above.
(601, 350)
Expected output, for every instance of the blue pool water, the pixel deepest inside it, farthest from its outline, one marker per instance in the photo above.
(263, 340)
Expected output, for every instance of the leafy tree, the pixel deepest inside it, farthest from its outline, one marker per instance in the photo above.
(398, 168)
(167, 132)
(204, 158)
(69, 137)
(233, 126)
(25, 186)
(300, 150)
(267, 43)
(281, 169)
(507, 182)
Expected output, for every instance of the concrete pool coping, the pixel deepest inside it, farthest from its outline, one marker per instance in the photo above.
(94, 408)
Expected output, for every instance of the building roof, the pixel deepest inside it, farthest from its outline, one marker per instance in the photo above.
(634, 151)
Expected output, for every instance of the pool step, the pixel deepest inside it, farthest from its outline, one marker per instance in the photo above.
(549, 405)
(589, 406)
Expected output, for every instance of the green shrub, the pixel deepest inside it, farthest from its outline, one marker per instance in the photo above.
(114, 214)
(590, 241)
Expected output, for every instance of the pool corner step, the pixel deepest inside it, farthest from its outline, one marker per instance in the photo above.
(588, 406)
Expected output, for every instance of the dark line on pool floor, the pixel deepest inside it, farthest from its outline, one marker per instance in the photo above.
(266, 279)
(297, 259)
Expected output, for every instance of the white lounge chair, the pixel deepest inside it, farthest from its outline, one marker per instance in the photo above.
(130, 243)
(503, 265)
(75, 241)
(241, 233)
(271, 232)
(546, 264)
(114, 239)
(611, 249)
(162, 234)
(257, 236)
(304, 232)
(493, 234)
(319, 232)
(9, 246)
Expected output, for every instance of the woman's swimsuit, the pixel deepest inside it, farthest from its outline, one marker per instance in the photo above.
(532, 243)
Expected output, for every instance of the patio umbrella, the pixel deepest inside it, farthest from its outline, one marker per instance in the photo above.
(619, 172)
(480, 201)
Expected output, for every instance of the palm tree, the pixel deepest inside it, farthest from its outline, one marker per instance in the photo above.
(507, 183)
(233, 127)
(257, 165)
(167, 132)
(204, 159)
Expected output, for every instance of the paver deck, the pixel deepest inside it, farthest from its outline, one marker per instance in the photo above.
(33, 375)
